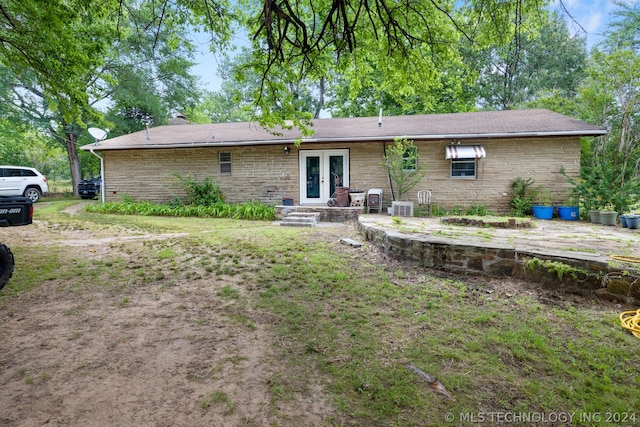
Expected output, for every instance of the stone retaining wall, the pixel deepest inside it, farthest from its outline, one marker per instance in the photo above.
(579, 274)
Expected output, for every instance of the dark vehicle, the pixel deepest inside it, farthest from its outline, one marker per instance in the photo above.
(89, 188)
(13, 211)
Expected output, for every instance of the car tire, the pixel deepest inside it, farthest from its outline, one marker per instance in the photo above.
(6, 265)
(33, 194)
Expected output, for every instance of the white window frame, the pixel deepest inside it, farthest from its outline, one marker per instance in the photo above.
(222, 163)
(460, 161)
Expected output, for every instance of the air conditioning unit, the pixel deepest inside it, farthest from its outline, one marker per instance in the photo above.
(402, 208)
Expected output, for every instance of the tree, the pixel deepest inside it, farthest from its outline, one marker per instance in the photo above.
(610, 96)
(147, 78)
(623, 28)
(403, 167)
(235, 101)
(92, 53)
(538, 60)
(353, 94)
(403, 44)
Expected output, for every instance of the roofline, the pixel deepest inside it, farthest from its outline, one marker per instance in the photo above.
(501, 135)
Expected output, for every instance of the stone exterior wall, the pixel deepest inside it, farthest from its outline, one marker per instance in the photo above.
(265, 174)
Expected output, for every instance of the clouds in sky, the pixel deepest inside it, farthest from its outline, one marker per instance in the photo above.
(591, 16)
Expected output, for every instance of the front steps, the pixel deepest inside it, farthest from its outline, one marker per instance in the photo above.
(300, 219)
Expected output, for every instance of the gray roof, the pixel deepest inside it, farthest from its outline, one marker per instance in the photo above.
(460, 126)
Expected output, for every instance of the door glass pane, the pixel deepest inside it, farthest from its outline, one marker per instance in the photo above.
(313, 177)
(336, 170)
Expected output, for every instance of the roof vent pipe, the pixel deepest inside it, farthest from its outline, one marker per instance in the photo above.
(147, 131)
(380, 119)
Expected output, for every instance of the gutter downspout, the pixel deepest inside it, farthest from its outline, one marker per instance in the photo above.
(101, 174)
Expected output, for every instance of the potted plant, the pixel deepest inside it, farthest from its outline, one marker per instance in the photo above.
(542, 208)
(608, 215)
(569, 209)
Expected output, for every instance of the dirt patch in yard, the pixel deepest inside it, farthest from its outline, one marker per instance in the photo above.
(173, 350)
(164, 353)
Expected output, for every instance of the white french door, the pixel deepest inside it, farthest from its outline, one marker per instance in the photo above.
(321, 171)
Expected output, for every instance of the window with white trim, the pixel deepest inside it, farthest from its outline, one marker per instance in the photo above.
(224, 163)
(463, 168)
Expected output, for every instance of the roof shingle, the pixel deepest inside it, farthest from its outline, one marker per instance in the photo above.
(486, 124)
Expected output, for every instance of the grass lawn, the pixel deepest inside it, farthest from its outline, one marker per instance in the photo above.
(353, 321)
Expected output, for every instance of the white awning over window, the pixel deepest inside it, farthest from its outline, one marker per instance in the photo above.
(465, 152)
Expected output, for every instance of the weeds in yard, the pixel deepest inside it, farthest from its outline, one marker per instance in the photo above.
(350, 322)
(219, 397)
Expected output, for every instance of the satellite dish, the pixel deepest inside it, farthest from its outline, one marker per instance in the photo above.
(98, 133)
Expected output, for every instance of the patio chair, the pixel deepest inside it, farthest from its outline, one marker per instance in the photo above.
(424, 202)
(374, 200)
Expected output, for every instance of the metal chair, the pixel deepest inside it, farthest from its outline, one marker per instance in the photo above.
(424, 201)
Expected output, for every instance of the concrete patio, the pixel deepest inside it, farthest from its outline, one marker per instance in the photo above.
(572, 256)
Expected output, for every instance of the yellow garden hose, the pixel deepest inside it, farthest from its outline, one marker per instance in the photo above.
(626, 258)
(631, 321)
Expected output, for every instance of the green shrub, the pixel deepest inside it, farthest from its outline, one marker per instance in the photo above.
(477, 210)
(204, 193)
(522, 194)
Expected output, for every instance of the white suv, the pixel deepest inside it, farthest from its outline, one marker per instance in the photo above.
(21, 181)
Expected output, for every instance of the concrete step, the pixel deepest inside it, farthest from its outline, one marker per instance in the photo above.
(300, 219)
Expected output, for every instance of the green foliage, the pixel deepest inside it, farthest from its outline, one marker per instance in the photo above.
(403, 166)
(201, 193)
(610, 96)
(507, 80)
(542, 197)
(477, 210)
(558, 268)
(249, 210)
(521, 196)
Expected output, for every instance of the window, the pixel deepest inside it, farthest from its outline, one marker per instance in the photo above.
(410, 158)
(464, 159)
(463, 168)
(224, 160)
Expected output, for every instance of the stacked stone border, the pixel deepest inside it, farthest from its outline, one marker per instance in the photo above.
(575, 273)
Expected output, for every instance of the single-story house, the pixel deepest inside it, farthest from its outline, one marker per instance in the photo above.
(469, 158)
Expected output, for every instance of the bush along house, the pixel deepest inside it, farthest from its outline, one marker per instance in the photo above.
(467, 158)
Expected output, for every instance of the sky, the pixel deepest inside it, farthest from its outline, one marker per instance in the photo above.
(591, 18)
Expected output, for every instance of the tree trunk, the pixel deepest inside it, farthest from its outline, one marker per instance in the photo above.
(70, 140)
(320, 99)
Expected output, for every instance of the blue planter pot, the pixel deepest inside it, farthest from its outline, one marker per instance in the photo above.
(568, 213)
(543, 212)
(623, 221)
(632, 221)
